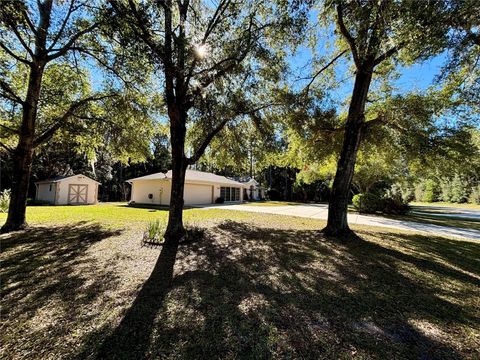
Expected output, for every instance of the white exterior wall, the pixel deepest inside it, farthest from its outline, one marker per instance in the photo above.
(45, 194)
(160, 189)
(195, 193)
(63, 186)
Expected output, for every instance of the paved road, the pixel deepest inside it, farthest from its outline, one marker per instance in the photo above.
(444, 211)
(320, 211)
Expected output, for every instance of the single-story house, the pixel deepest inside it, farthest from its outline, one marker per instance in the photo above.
(200, 188)
(68, 190)
(254, 190)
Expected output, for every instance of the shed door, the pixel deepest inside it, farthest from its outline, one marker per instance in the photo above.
(197, 194)
(77, 194)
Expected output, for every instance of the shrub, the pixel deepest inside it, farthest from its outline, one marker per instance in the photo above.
(403, 190)
(459, 192)
(445, 190)
(219, 200)
(274, 195)
(419, 191)
(366, 203)
(34, 202)
(474, 197)
(430, 193)
(394, 205)
(154, 232)
(4, 200)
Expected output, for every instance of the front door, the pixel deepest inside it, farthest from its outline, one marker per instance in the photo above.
(77, 194)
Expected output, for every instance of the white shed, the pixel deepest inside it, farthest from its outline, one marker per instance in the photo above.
(68, 190)
(200, 188)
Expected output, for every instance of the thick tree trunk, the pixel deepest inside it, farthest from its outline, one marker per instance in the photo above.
(337, 224)
(175, 230)
(23, 154)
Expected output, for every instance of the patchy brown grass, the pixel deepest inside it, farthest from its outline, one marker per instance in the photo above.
(244, 290)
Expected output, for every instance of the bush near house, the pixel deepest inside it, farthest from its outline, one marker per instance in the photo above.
(34, 202)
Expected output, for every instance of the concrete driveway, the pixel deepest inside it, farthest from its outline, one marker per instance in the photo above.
(320, 211)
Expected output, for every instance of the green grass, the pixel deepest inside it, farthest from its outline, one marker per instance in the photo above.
(119, 215)
(271, 203)
(78, 284)
(446, 204)
(442, 217)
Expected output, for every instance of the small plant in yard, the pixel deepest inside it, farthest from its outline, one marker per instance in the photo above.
(153, 234)
(4, 200)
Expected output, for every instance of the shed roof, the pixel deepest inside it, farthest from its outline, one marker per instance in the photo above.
(60, 178)
(192, 176)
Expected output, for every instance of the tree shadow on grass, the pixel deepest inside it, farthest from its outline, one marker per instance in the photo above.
(251, 292)
(45, 286)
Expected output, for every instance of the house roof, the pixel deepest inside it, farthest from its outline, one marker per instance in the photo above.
(192, 176)
(60, 178)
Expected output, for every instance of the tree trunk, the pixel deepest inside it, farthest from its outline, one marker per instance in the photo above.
(337, 223)
(175, 230)
(23, 154)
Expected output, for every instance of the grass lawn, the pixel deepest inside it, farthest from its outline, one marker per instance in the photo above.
(271, 203)
(78, 284)
(439, 216)
(445, 204)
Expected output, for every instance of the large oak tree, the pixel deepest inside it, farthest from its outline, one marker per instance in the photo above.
(209, 58)
(32, 37)
(376, 32)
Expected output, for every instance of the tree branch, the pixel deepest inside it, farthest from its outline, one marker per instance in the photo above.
(9, 149)
(198, 154)
(69, 45)
(346, 34)
(9, 93)
(388, 54)
(13, 131)
(62, 27)
(47, 134)
(19, 36)
(12, 54)
(307, 88)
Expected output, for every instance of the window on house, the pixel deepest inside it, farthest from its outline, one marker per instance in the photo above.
(230, 193)
(50, 189)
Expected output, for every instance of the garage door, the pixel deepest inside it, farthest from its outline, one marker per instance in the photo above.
(197, 194)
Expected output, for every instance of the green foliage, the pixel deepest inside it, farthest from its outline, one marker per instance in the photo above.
(393, 205)
(403, 190)
(445, 190)
(430, 191)
(389, 203)
(35, 202)
(459, 190)
(153, 234)
(4, 200)
(366, 203)
(474, 197)
(274, 195)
